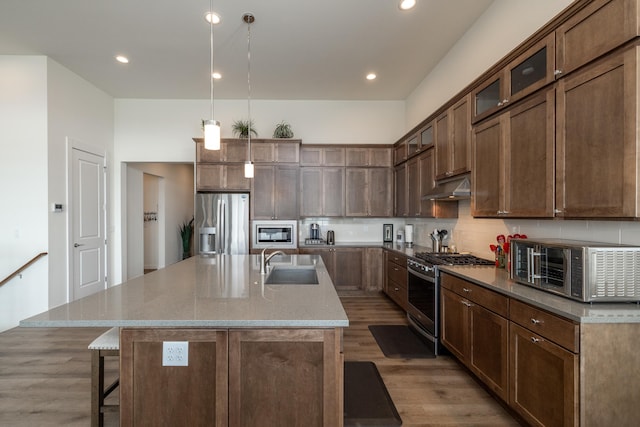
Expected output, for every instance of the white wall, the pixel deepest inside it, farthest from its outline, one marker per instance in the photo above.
(23, 185)
(77, 110)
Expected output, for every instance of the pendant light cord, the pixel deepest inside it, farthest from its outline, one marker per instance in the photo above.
(211, 54)
(249, 21)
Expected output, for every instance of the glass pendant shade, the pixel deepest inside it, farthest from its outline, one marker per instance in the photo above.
(248, 169)
(212, 134)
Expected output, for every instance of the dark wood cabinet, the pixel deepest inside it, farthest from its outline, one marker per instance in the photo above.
(322, 155)
(400, 152)
(513, 170)
(395, 283)
(275, 192)
(344, 264)
(475, 328)
(368, 192)
(597, 150)
(322, 192)
(269, 151)
(598, 28)
(431, 208)
(369, 156)
(225, 177)
(231, 150)
(374, 270)
(401, 207)
(453, 140)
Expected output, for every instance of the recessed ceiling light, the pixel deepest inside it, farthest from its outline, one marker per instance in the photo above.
(122, 59)
(209, 15)
(407, 4)
(216, 76)
(371, 76)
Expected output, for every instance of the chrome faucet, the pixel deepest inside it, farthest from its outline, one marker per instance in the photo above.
(264, 262)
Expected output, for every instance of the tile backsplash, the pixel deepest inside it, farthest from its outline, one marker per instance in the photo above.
(474, 235)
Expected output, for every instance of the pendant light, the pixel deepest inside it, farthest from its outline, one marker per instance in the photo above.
(248, 165)
(211, 126)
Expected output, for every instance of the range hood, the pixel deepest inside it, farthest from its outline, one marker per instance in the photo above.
(453, 189)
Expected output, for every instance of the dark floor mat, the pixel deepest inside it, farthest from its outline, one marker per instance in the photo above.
(366, 399)
(400, 341)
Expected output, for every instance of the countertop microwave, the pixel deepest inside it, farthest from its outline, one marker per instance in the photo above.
(276, 234)
(584, 271)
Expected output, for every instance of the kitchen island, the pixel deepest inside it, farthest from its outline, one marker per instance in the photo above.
(258, 354)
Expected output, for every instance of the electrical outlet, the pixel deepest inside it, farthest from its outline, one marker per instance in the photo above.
(175, 353)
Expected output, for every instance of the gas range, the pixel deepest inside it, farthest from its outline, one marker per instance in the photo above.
(428, 260)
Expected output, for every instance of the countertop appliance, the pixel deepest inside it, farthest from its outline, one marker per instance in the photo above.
(276, 234)
(314, 231)
(583, 271)
(222, 223)
(423, 286)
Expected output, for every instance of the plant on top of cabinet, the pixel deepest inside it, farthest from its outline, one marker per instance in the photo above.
(283, 130)
(241, 128)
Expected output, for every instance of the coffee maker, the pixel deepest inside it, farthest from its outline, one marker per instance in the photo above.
(314, 231)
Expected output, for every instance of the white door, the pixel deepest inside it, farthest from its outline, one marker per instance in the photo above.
(87, 224)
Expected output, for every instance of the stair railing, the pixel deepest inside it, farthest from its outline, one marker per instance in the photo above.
(24, 267)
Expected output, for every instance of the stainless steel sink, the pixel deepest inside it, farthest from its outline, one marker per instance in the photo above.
(301, 275)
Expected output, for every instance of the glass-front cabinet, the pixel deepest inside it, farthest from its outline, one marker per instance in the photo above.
(524, 75)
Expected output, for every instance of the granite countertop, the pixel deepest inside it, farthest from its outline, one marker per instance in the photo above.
(224, 291)
(497, 279)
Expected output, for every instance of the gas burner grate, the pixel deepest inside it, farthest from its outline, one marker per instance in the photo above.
(452, 259)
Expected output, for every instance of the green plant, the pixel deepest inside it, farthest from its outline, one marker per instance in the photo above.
(186, 231)
(283, 130)
(240, 128)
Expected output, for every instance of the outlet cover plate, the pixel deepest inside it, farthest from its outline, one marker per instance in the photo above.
(175, 353)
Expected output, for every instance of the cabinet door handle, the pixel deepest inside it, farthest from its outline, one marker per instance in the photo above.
(535, 321)
(557, 72)
(396, 289)
(468, 304)
(466, 290)
(558, 211)
(535, 340)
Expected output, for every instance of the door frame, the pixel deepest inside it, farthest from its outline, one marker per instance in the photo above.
(75, 144)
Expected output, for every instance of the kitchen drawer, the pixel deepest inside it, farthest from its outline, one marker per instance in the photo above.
(490, 300)
(397, 259)
(554, 328)
(397, 273)
(398, 292)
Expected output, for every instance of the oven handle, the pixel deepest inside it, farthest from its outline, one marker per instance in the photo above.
(422, 276)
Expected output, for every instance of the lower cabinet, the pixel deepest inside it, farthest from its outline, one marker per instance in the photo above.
(264, 377)
(345, 265)
(395, 274)
(477, 334)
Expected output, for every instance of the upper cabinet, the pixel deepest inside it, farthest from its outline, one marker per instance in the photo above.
(452, 140)
(274, 192)
(595, 30)
(369, 192)
(286, 151)
(530, 71)
(369, 156)
(322, 155)
(597, 139)
(231, 150)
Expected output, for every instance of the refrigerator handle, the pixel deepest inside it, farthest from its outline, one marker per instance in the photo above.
(218, 229)
(223, 226)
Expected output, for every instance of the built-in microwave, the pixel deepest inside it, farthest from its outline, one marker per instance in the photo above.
(584, 271)
(280, 234)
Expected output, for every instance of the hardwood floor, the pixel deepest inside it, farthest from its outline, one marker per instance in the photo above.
(45, 376)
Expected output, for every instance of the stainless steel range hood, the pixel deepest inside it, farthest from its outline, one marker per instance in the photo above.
(453, 189)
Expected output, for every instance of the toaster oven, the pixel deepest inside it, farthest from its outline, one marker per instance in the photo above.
(584, 271)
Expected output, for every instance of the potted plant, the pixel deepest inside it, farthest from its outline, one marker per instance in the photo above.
(186, 231)
(240, 128)
(283, 130)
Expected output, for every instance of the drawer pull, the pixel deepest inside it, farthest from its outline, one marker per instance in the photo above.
(395, 268)
(466, 303)
(535, 340)
(466, 290)
(396, 289)
(535, 321)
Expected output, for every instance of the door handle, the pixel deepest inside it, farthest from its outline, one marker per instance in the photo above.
(75, 245)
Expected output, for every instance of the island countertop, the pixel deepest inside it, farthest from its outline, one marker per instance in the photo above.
(225, 291)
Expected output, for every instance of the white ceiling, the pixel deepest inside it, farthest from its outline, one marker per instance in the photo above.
(300, 49)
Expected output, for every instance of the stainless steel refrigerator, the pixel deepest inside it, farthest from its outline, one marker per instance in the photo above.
(222, 223)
